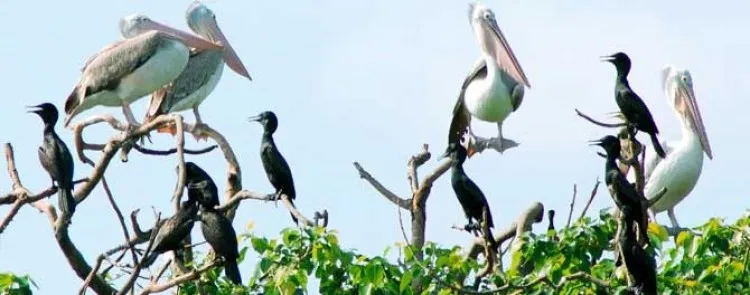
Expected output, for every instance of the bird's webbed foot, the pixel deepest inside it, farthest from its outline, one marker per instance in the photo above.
(499, 144)
(472, 227)
(199, 131)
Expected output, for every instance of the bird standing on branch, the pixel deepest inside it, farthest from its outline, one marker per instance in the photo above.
(494, 87)
(219, 233)
(469, 195)
(632, 107)
(201, 74)
(56, 159)
(623, 192)
(277, 169)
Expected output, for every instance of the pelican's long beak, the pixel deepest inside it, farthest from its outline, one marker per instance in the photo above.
(493, 42)
(230, 56)
(189, 39)
(687, 106)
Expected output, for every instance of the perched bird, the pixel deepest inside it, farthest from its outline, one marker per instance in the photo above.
(469, 195)
(56, 159)
(623, 192)
(680, 171)
(551, 217)
(494, 87)
(631, 106)
(152, 56)
(201, 74)
(640, 265)
(277, 169)
(197, 179)
(219, 233)
(174, 230)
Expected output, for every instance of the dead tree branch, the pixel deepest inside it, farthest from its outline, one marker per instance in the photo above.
(602, 124)
(417, 204)
(591, 198)
(572, 204)
(156, 288)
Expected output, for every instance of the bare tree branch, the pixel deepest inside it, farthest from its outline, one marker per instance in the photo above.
(139, 264)
(591, 198)
(533, 214)
(401, 202)
(154, 288)
(572, 204)
(606, 125)
(120, 218)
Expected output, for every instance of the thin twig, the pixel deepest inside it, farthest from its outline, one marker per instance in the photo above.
(147, 151)
(602, 124)
(572, 204)
(120, 218)
(591, 199)
(363, 174)
(139, 264)
(153, 288)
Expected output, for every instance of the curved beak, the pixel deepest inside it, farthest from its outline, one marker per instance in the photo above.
(493, 42)
(189, 39)
(230, 56)
(687, 107)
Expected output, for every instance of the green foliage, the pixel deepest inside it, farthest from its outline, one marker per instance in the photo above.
(574, 260)
(12, 284)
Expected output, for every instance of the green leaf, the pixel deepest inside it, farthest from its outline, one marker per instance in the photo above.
(405, 281)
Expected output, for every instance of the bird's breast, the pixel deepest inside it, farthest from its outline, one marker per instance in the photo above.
(678, 172)
(489, 99)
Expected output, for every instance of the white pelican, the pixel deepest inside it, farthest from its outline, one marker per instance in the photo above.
(202, 73)
(153, 55)
(493, 89)
(680, 170)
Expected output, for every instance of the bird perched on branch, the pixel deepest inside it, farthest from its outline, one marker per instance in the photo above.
(639, 264)
(469, 195)
(56, 159)
(494, 87)
(219, 233)
(277, 169)
(174, 230)
(194, 175)
(201, 74)
(623, 192)
(632, 107)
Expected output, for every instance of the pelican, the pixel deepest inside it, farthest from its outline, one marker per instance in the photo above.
(202, 73)
(680, 170)
(152, 55)
(494, 87)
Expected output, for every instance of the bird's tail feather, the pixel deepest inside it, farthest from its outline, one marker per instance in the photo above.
(66, 202)
(232, 271)
(657, 146)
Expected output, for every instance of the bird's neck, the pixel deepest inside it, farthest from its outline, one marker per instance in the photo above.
(457, 168)
(49, 128)
(611, 164)
(622, 78)
(268, 137)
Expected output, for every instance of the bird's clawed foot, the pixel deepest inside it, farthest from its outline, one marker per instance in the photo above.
(472, 228)
(499, 144)
(199, 132)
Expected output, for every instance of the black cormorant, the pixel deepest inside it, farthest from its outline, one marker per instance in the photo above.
(640, 265)
(219, 233)
(622, 191)
(174, 230)
(56, 159)
(194, 176)
(472, 199)
(632, 107)
(551, 217)
(276, 167)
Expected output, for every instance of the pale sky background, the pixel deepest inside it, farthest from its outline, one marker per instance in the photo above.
(371, 81)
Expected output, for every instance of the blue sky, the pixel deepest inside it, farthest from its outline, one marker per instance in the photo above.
(371, 82)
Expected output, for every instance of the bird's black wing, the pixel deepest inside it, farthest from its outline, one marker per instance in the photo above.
(56, 160)
(473, 200)
(461, 116)
(625, 194)
(277, 170)
(219, 233)
(635, 110)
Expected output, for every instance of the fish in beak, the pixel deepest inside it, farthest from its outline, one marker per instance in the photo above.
(203, 21)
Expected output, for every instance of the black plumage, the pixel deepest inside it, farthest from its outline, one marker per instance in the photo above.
(173, 230)
(197, 177)
(640, 265)
(276, 167)
(219, 233)
(551, 217)
(623, 192)
(632, 107)
(56, 159)
(469, 195)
